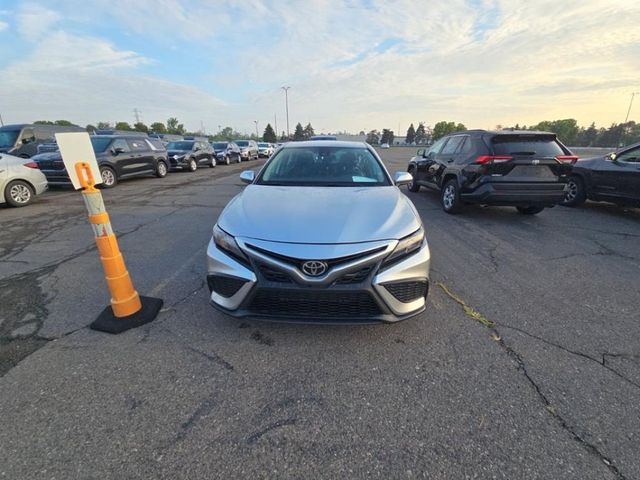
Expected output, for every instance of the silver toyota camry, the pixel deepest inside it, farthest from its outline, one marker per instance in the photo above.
(321, 234)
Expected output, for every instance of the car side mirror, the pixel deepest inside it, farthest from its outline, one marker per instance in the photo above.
(403, 178)
(117, 150)
(612, 156)
(247, 176)
(421, 152)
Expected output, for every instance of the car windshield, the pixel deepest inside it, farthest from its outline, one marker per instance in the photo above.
(100, 144)
(8, 138)
(263, 145)
(220, 145)
(541, 146)
(324, 166)
(180, 146)
(242, 143)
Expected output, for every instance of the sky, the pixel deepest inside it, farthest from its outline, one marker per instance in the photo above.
(352, 65)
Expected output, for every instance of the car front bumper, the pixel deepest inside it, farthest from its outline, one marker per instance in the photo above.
(356, 293)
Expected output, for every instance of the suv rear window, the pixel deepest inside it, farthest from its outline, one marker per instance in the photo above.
(539, 145)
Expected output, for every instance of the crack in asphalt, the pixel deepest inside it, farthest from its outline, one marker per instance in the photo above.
(214, 358)
(517, 358)
(279, 424)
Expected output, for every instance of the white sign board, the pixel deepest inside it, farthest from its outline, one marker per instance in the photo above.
(76, 147)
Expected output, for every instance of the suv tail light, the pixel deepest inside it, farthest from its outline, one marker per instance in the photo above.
(485, 159)
(31, 165)
(567, 159)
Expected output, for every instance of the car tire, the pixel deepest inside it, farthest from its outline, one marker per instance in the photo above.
(213, 162)
(576, 194)
(18, 193)
(239, 158)
(162, 169)
(450, 197)
(192, 166)
(532, 210)
(413, 186)
(109, 178)
(227, 160)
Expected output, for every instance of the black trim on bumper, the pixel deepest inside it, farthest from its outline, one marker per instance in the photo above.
(516, 194)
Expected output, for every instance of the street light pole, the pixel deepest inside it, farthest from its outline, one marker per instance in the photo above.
(622, 130)
(256, 122)
(286, 102)
(630, 103)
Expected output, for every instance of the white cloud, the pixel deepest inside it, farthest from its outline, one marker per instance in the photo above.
(35, 20)
(480, 62)
(86, 80)
(3, 25)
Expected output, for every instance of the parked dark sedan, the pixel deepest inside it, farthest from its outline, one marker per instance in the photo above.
(226, 152)
(189, 154)
(118, 157)
(524, 169)
(613, 178)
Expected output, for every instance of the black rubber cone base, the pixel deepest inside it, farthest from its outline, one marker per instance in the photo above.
(108, 322)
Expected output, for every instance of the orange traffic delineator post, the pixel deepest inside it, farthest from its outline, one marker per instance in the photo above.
(128, 309)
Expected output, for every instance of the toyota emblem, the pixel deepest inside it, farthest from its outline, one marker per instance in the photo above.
(314, 268)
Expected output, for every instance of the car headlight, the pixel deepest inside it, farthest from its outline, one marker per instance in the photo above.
(406, 246)
(228, 244)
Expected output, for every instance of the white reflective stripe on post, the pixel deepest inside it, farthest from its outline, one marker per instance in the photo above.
(94, 203)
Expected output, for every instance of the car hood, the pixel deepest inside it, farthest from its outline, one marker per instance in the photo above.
(177, 152)
(320, 214)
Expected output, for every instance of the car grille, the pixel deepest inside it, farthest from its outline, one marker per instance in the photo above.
(314, 304)
(273, 275)
(407, 291)
(358, 276)
(224, 286)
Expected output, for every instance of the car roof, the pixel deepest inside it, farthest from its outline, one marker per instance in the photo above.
(325, 143)
(111, 137)
(506, 131)
(16, 126)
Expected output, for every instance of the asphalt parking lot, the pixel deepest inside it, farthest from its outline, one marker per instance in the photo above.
(526, 363)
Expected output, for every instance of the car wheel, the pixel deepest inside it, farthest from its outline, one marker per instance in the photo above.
(450, 197)
(18, 193)
(109, 178)
(227, 160)
(193, 165)
(239, 158)
(575, 194)
(161, 169)
(413, 186)
(212, 163)
(529, 210)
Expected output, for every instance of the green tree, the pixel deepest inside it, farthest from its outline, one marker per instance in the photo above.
(141, 127)
(123, 126)
(411, 134)
(299, 133)
(90, 128)
(441, 129)
(174, 127)
(103, 125)
(283, 137)
(43, 122)
(308, 131)
(373, 137)
(566, 129)
(64, 123)
(269, 134)
(158, 127)
(387, 136)
(421, 134)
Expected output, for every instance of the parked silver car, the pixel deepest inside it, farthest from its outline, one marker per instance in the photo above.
(20, 180)
(323, 234)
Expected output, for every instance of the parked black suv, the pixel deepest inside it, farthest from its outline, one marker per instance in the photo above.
(226, 152)
(23, 140)
(118, 156)
(188, 154)
(524, 169)
(613, 178)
